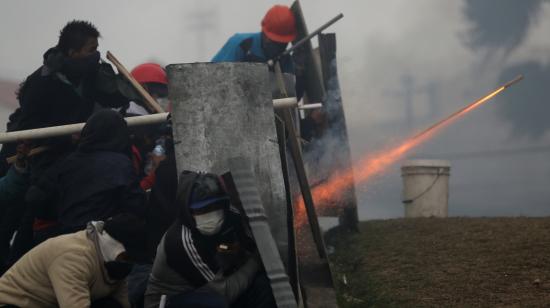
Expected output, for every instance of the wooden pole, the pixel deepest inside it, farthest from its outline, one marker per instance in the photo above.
(149, 100)
(37, 150)
(296, 153)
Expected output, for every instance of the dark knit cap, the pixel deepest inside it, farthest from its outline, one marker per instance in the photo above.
(130, 231)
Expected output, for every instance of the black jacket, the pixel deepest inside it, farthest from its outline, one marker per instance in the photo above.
(98, 180)
(162, 208)
(194, 255)
(49, 98)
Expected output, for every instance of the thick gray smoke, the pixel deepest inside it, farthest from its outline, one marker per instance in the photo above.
(527, 108)
(503, 25)
(500, 23)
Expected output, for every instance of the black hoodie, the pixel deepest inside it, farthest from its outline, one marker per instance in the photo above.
(182, 254)
(98, 180)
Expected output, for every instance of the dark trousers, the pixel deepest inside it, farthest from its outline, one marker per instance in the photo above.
(197, 299)
(259, 295)
(137, 284)
(106, 302)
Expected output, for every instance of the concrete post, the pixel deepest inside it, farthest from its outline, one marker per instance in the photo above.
(224, 110)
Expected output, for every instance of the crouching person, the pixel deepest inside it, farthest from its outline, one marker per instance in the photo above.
(83, 269)
(207, 258)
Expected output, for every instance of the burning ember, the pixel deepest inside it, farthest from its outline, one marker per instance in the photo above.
(330, 191)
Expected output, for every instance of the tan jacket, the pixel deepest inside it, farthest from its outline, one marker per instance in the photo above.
(65, 271)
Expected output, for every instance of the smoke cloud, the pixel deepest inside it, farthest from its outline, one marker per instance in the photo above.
(500, 23)
(527, 107)
(503, 25)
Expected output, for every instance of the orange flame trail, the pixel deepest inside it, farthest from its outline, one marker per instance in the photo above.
(373, 165)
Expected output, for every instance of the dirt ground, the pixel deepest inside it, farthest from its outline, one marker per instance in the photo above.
(451, 262)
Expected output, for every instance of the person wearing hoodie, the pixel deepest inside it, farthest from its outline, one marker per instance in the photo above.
(83, 269)
(64, 90)
(95, 182)
(207, 258)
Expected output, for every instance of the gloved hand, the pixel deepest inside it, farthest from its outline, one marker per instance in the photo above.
(231, 287)
(23, 150)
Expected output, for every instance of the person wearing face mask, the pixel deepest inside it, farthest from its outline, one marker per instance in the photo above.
(83, 269)
(207, 258)
(278, 29)
(66, 89)
(152, 77)
(95, 182)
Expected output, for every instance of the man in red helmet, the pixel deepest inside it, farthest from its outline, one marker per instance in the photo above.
(152, 78)
(278, 29)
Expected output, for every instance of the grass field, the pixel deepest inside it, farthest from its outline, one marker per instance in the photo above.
(451, 262)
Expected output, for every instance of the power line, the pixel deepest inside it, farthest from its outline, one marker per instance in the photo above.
(492, 153)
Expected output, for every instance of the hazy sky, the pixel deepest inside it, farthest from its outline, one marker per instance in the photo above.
(379, 43)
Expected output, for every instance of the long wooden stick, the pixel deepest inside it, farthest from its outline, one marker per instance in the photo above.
(296, 154)
(149, 100)
(37, 150)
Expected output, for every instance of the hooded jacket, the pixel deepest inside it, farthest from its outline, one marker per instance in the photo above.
(95, 182)
(66, 271)
(187, 260)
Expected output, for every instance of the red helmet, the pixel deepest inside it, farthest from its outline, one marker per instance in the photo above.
(149, 72)
(279, 24)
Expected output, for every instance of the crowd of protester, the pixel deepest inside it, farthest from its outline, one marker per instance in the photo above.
(99, 218)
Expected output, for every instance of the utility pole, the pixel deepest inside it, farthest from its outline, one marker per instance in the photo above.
(203, 21)
(431, 93)
(409, 91)
(408, 94)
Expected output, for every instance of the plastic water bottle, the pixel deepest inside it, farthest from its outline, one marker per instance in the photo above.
(159, 150)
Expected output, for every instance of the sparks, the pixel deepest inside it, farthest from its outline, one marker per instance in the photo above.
(330, 192)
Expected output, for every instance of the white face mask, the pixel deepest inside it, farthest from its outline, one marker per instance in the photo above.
(209, 223)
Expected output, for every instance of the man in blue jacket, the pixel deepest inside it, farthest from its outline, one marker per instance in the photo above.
(278, 29)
